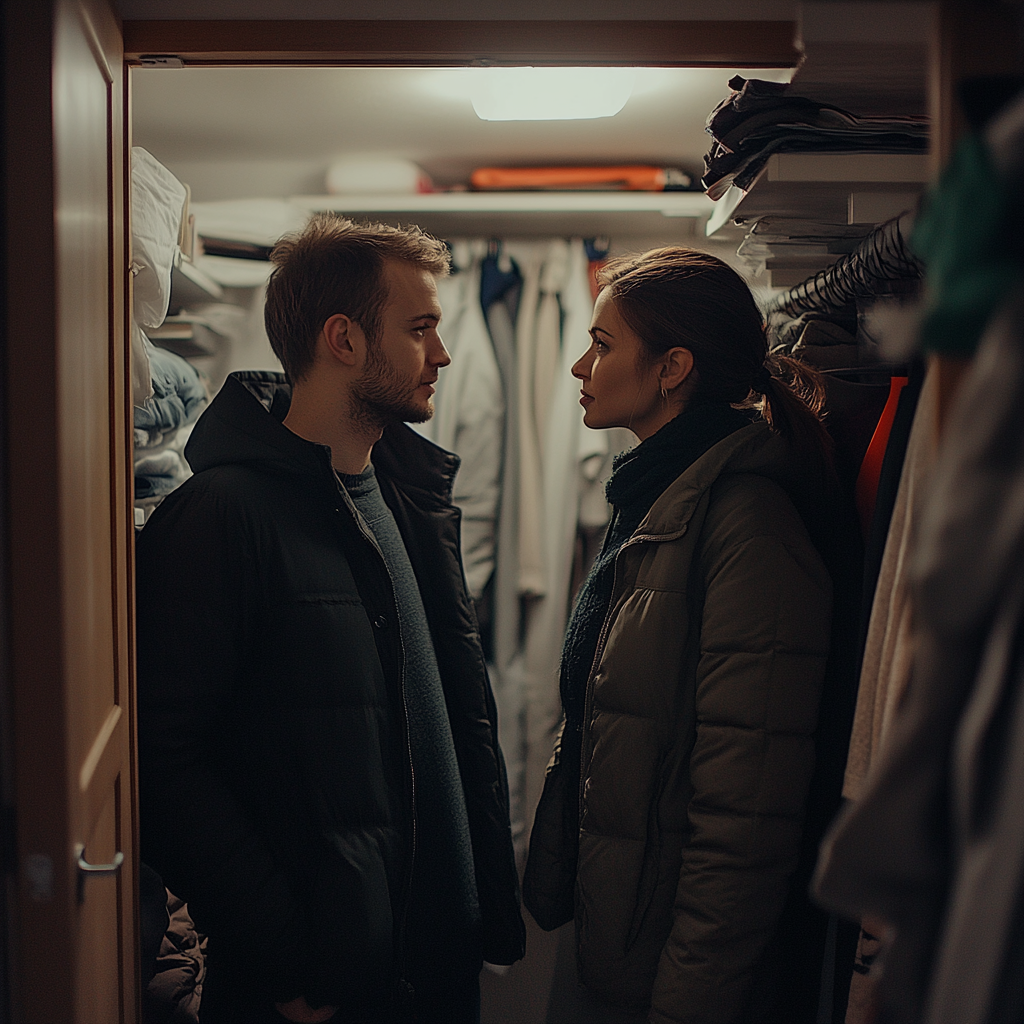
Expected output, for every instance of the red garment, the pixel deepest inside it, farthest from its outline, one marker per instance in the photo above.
(866, 490)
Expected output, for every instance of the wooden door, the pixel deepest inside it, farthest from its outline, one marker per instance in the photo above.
(68, 532)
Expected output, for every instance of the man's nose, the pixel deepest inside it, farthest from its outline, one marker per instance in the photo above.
(439, 354)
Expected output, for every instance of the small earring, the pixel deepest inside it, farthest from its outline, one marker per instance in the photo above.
(664, 395)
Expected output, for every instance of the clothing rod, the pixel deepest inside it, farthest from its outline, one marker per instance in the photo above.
(882, 259)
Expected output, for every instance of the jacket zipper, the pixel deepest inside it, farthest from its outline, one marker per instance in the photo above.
(602, 639)
(372, 541)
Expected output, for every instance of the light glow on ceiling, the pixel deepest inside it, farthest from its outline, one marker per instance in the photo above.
(549, 94)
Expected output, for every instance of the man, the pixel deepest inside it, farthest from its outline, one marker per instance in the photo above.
(319, 769)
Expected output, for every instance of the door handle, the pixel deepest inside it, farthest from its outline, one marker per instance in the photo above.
(86, 870)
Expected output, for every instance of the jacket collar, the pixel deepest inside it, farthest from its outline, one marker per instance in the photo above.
(243, 425)
(751, 449)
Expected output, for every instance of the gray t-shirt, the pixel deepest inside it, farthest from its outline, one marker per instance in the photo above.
(443, 908)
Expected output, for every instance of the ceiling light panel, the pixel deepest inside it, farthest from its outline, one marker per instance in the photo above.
(549, 94)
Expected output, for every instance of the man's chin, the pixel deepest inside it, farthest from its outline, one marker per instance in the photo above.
(418, 413)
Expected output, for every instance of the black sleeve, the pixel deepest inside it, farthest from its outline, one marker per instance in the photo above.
(197, 595)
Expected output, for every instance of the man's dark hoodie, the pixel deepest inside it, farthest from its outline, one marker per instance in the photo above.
(277, 789)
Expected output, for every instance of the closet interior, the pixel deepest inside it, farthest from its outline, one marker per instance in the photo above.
(815, 210)
(259, 149)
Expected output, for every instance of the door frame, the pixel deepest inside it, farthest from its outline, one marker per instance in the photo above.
(467, 43)
(42, 909)
(370, 43)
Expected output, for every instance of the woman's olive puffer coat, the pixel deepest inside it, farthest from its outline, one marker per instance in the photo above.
(697, 749)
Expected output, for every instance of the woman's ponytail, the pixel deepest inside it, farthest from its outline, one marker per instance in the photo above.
(792, 402)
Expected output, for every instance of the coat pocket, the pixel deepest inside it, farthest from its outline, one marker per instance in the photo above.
(549, 881)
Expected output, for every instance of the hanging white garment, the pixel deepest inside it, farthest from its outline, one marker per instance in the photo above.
(889, 646)
(592, 457)
(453, 293)
(158, 201)
(531, 483)
(547, 616)
(470, 412)
(543, 473)
(507, 670)
(597, 452)
(548, 346)
(142, 372)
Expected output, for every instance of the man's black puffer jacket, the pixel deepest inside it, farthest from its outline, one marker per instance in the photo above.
(276, 791)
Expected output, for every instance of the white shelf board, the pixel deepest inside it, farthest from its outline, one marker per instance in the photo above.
(820, 186)
(724, 209)
(190, 284)
(849, 167)
(668, 204)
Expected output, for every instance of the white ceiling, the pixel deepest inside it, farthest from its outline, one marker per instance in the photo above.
(237, 132)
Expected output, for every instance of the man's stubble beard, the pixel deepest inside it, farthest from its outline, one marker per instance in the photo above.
(381, 397)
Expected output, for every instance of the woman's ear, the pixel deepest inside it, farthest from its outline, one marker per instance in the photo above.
(676, 367)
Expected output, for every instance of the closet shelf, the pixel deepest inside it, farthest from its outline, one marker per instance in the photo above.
(668, 204)
(190, 285)
(871, 66)
(837, 188)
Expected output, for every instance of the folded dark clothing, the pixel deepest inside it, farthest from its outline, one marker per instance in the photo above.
(741, 169)
(757, 121)
(754, 103)
(753, 96)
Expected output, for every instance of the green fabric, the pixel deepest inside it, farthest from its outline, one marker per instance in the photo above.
(963, 235)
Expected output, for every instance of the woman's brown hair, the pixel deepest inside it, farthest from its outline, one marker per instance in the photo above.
(683, 297)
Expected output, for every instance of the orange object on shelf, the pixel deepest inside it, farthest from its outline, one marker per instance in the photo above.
(625, 178)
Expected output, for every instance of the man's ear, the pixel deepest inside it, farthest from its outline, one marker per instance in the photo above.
(343, 339)
(676, 367)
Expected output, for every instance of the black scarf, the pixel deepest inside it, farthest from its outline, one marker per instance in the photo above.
(640, 476)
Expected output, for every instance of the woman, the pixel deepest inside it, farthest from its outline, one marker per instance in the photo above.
(671, 817)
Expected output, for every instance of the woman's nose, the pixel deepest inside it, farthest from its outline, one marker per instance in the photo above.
(581, 368)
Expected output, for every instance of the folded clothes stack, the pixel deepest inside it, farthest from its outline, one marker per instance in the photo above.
(776, 239)
(163, 423)
(159, 473)
(758, 120)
